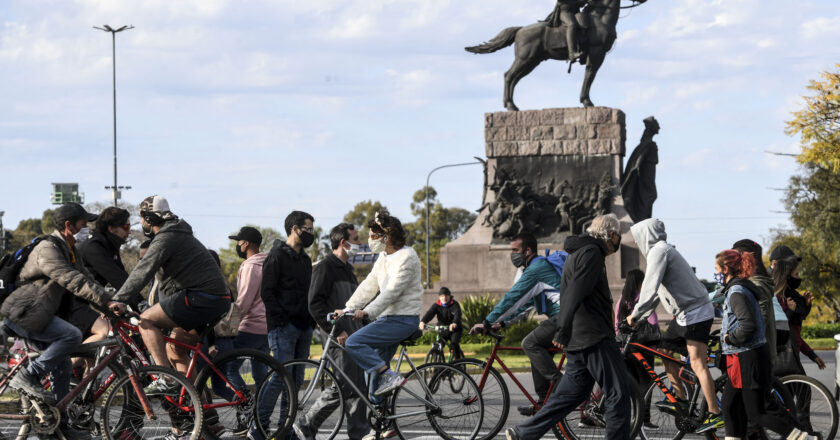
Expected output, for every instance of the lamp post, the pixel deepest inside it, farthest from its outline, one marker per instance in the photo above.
(106, 28)
(2, 235)
(428, 228)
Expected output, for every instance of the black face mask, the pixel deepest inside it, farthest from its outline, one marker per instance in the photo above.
(517, 259)
(116, 238)
(240, 252)
(306, 238)
(794, 283)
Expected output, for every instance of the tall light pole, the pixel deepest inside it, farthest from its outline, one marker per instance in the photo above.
(428, 228)
(106, 28)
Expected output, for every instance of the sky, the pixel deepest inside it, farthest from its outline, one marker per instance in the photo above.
(241, 111)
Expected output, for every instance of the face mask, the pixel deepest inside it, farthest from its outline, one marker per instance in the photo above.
(240, 252)
(306, 238)
(618, 245)
(517, 259)
(720, 278)
(82, 235)
(377, 246)
(794, 283)
(353, 251)
(147, 231)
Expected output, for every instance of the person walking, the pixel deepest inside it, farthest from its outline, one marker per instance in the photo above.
(586, 333)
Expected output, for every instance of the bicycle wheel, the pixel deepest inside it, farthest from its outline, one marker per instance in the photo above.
(495, 393)
(178, 410)
(81, 411)
(320, 400)
(434, 356)
(244, 369)
(816, 410)
(417, 406)
(588, 420)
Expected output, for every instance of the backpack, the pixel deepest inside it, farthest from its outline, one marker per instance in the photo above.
(557, 259)
(11, 265)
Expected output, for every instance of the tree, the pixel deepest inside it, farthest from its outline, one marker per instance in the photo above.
(360, 214)
(26, 230)
(818, 124)
(231, 261)
(321, 247)
(813, 197)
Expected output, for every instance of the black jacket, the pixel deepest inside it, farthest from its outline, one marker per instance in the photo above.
(803, 309)
(285, 287)
(445, 315)
(333, 283)
(585, 317)
(101, 255)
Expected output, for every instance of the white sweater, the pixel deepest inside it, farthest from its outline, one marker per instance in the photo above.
(397, 279)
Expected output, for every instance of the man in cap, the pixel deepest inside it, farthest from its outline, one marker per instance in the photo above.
(192, 291)
(448, 313)
(52, 269)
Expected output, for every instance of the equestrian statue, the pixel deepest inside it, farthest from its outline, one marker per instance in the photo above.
(568, 33)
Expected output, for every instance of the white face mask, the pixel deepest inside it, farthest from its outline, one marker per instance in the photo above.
(377, 246)
(353, 251)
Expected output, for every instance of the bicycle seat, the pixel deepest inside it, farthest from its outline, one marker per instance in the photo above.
(411, 340)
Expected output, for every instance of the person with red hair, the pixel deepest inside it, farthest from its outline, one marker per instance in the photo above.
(744, 344)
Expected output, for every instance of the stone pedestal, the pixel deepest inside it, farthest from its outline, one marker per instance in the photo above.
(561, 166)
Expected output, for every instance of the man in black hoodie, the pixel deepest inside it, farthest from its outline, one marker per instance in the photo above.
(587, 335)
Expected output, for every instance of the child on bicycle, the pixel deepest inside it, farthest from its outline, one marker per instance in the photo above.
(448, 313)
(396, 307)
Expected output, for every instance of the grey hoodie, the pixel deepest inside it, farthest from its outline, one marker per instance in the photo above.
(666, 268)
(184, 263)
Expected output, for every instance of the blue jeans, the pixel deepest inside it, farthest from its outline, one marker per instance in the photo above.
(287, 342)
(247, 340)
(60, 337)
(373, 346)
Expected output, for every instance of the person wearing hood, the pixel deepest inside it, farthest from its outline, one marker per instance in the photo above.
(670, 280)
(585, 333)
(192, 290)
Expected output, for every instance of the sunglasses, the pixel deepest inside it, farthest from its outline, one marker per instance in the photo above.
(126, 226)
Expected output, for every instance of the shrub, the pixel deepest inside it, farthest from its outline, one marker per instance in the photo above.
(475, 308)
(515, 333)
(820, 330)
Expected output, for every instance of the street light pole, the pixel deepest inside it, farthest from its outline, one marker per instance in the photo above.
(428, 228)
(106, 28)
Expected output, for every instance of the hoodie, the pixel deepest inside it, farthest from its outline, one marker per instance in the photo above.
(248, 298)
(585, 317)
(184, 262)
(668, 277)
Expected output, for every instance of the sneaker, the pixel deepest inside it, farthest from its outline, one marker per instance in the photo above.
(215, 429)
(526, 410)
(172, 436)
(302, 431)
(254, 433)
(588, 421)
(713, 421)
(241, 429)
(387, 434)
(25, 382)
(672, 408)
(511, 434)
(650, 425)
(160, 386)
(388, 381)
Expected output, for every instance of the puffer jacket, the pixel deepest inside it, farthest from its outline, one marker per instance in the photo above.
(51, 270)
(668, 277)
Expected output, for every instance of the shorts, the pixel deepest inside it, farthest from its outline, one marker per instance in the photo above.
(82, 316)
(191, 309)
(676, 336)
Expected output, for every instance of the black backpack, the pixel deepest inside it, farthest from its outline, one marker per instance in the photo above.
(11, 265)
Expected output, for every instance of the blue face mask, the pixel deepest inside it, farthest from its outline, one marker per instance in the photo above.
(720, 278)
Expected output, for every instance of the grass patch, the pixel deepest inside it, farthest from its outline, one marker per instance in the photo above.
(822, 343)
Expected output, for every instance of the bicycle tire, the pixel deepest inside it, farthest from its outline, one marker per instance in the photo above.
(494, 392)
(81, 413)
(332, 424)
(168, 416)
(593, 406)
(815, 406)
(468, 402)
(239, 417)
(434, 356)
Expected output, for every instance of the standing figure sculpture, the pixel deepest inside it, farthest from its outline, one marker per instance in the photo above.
(638, 184)
(534, 43)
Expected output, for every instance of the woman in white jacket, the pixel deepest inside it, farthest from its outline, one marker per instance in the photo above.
(395, 309)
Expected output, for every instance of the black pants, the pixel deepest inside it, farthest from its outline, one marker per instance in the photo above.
(601, 363)
(543, 368)
(454, 339)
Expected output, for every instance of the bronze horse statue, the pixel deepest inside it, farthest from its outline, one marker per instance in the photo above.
(534, 44)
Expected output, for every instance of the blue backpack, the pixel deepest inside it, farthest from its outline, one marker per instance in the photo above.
(557, 259)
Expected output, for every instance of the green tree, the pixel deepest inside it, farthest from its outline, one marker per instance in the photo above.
(321, 247)
(813, 197)
(231, 261)
(25, 231)
(360, 214)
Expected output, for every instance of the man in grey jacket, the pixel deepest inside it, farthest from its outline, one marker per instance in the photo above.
(52, 270)
(192, 289)
(669, 279)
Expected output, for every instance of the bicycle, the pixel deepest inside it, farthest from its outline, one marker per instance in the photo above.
(127, 411)
(415, 405)
(437, 354)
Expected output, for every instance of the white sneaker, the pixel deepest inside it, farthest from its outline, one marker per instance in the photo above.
(388, 381)
(387, 434)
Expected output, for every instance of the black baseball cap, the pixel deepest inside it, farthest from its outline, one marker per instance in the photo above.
(444, 291)
(781, 251)
(70, 211)
(748, 245)
(249, 234)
